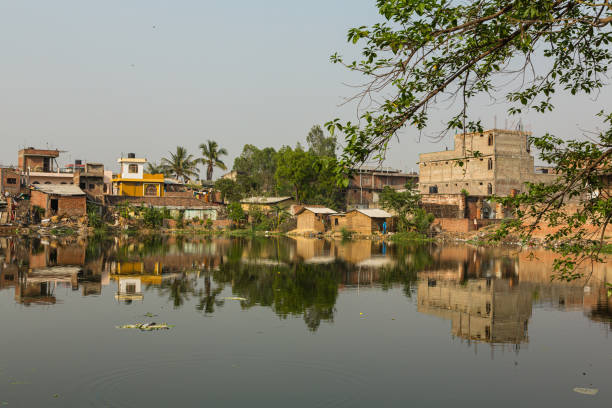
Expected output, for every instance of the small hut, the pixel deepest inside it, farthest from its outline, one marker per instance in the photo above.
(59, 199)
(367, 221)
(314, 219)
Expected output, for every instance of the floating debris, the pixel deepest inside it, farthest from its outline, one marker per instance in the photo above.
(235, 298)
(146, 326)
(586, 391)
(149, 314)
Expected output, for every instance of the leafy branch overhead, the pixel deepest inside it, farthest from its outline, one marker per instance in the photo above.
(431, 51)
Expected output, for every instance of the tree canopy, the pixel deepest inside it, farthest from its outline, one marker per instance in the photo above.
(427, 53)
(211, 157)
(181, 164)
(319, 144)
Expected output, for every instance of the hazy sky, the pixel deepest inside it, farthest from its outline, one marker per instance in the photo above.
(101, 78)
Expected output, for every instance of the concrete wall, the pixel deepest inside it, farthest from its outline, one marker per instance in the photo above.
(504, 164)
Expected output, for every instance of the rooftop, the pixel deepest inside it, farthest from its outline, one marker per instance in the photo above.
(318, 210)
(59, 189)
(374, 212)
(265, 200)
(131, 160)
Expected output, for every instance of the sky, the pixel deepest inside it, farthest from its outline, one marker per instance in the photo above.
(99, 79)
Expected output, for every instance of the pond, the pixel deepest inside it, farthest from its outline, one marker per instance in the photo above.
(297, 323)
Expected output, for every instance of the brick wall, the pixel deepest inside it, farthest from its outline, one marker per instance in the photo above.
(73, 206)
(10, 181)
(160, 201)
(38, 199)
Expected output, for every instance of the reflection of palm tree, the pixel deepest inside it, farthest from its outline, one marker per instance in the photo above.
(178, 290)
(208, 302)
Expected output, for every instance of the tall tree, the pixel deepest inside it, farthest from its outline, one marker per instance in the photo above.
(212, 157)
(255, 169)
(154, 168)
(429, 51)
(319, 144)
(181, 164)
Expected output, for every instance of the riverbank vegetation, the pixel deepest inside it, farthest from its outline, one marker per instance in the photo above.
(427, 52)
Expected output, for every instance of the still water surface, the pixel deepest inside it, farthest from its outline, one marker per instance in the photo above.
(296, 323)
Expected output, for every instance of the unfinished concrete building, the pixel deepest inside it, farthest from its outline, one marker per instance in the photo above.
(90, 179)
(492, 162)
(367, 182)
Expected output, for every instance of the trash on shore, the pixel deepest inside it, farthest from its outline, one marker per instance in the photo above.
(586, 391)
(146, 326)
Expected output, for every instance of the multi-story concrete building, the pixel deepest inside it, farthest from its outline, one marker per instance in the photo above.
(492, 162)
(367, 182)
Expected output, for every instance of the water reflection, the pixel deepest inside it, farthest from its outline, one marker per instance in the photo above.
(486, 295)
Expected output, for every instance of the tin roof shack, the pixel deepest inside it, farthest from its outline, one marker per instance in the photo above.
(90, 179)
(314, 219)
(57, 199)
(265, 204)
(337, 222)
(368, 221)
(10, 181)
(367, 182)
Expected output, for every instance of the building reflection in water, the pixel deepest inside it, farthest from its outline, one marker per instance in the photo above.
(487, 295)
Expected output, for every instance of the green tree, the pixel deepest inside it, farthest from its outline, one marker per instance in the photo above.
(211, 157)
(229, 189)
(403, 203)
(320, 145)
(235, 212)
(522, 51)
(255, 169)
(181, 164)
(309, 178)
(154, 168)
(295, 168)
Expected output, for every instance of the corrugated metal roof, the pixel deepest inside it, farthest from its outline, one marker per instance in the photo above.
(319, 210)
(374, 212)
(59, 189)
(264, 200)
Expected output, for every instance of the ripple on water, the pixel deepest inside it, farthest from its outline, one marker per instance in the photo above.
(223, 374)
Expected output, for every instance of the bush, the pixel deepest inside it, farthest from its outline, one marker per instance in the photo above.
(152, 217)
(346, 234)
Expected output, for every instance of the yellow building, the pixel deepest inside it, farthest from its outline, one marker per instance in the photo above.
(133, 181)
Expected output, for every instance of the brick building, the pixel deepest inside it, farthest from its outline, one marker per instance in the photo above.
(10, 181)
(40, 160)
(367, 182)
(90, 179)
(503, 164)
(60, 199)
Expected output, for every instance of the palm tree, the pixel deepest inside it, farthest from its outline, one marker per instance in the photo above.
(211, 157)
(154, 168)
(181, 164)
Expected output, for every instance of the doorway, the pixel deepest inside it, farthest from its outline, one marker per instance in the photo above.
(54, 206)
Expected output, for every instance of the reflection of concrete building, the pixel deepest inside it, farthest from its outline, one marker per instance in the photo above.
(38, 285)
(129, 289)
(481, 309)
